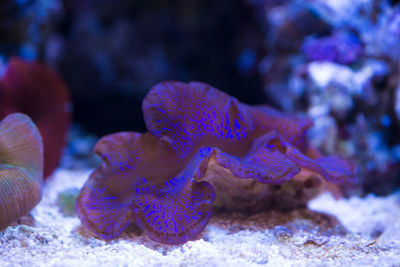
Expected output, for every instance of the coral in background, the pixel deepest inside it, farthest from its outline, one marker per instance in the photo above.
(340, 47)
(341, 67)
(78, 153)
(202, 146)
(21, 168)
(27, 28)
(34, 89)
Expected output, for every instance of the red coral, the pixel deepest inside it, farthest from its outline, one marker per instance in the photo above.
(37, 91)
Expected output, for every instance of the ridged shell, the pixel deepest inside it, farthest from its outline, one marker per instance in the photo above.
(21, 168)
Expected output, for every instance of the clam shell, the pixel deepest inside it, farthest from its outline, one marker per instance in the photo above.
(21, 168)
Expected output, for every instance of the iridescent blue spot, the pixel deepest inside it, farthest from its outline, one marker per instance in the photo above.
(237, 124)
(270, 146)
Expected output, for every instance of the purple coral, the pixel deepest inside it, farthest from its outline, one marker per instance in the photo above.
(343, 48)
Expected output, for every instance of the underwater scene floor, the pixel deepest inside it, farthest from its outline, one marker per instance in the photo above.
(345, 232)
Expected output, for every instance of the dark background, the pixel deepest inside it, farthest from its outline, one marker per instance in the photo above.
(111, 52)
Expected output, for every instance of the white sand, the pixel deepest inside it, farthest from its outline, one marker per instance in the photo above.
(298, 238)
